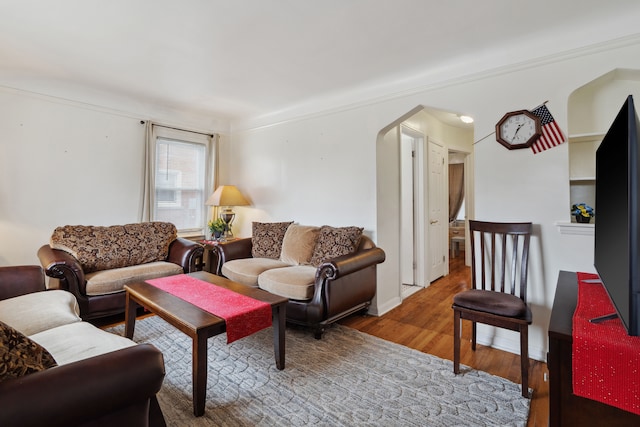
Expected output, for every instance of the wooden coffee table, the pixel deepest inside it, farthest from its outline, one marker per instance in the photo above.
(200, 324)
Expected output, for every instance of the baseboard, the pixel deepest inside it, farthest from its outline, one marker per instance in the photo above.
(510, 345)
(376, 310)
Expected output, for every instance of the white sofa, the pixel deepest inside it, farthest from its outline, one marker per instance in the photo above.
(56, 369)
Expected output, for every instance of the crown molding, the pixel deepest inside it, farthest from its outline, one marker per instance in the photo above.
(350, 100)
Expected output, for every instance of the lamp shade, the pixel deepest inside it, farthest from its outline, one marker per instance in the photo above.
(227, 195)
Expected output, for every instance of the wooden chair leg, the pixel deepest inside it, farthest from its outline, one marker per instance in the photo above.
(473, 336)
(456, 341)
(524, 359)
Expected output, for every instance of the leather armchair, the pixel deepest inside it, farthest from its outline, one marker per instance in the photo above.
(342, 286)
(121, 390)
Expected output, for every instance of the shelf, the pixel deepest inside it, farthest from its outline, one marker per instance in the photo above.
(582, 158)
(582, 178)
(585, 137)
(575, 228)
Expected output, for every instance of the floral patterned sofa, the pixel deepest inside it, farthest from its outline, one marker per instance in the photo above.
(326, 272)
(94, 262)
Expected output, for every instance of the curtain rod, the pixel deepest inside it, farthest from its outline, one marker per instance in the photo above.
(184, 130)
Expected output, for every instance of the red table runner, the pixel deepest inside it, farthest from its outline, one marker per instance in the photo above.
(243, 315)
(606, 361)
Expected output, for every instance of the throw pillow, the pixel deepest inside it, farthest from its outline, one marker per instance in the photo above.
(20, 355)
(298, 244)
(267, 239)
(334, 242)
(100, 248)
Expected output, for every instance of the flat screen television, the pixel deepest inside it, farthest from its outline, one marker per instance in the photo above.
(617, 221)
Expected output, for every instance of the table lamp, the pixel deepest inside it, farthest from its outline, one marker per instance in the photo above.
(227, 196)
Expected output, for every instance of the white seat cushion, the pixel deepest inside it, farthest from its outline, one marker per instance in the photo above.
(297, 282)
(247, 270)
(78, 341)
(39, 311)
(112, 281)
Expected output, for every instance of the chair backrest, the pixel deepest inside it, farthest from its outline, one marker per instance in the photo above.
(499, 254)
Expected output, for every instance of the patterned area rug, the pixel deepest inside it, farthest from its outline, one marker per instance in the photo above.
(346, 379)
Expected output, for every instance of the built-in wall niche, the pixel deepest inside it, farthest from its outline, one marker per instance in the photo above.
(591, 110)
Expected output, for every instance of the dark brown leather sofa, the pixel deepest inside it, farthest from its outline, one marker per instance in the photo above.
(342, 286)
(114, 245)
(117, 388)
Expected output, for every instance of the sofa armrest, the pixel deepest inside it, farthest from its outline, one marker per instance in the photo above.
(345, 284)
(187, 254)
(65, 267)
(347, 264)
(111, 386)
(21, 280)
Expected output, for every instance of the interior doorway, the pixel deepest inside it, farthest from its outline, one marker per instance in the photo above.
(403, 223)
(412, 247)
(458, 190)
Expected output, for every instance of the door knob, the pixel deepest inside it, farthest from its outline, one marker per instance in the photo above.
(433, 221)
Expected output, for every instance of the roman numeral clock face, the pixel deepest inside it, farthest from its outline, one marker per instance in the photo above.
(518, 129)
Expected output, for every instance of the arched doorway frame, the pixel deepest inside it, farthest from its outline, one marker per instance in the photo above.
(388, 204)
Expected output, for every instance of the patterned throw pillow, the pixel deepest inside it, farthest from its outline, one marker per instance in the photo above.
(21, 356)
(267, 239)
(100, 248)
(334, 242)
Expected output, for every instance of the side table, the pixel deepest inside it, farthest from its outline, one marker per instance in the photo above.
(210, 256)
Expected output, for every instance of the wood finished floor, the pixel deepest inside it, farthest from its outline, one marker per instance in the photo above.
(424, 322)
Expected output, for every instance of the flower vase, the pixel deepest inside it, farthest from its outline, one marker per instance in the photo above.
(583, 219)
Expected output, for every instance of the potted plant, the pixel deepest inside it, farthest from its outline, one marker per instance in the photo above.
(582, 212)
(217, 228)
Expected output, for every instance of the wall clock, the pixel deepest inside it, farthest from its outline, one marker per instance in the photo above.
(518, 129)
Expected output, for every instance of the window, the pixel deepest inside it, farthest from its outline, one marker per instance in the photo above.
(167, 188)
(181, 176)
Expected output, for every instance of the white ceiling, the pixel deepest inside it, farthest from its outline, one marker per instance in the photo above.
(241, 59)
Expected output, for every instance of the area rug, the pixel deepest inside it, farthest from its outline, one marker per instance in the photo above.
(348, 378)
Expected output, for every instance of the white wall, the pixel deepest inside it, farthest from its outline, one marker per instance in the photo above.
(322, 170)
(64, 163)
(313, 172)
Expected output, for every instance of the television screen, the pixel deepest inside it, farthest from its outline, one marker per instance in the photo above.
(617, 225)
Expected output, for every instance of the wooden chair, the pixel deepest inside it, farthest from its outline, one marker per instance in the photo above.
(499, 253)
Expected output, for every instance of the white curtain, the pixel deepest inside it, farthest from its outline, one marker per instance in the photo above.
(148, 187)
(152, 132)
(212, 170)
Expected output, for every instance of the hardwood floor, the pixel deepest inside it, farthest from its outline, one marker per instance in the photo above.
(424, 322)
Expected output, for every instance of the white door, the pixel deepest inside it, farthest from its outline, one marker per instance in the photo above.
(438, 207)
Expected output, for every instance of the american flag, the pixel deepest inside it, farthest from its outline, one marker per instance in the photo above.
(551, 133)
